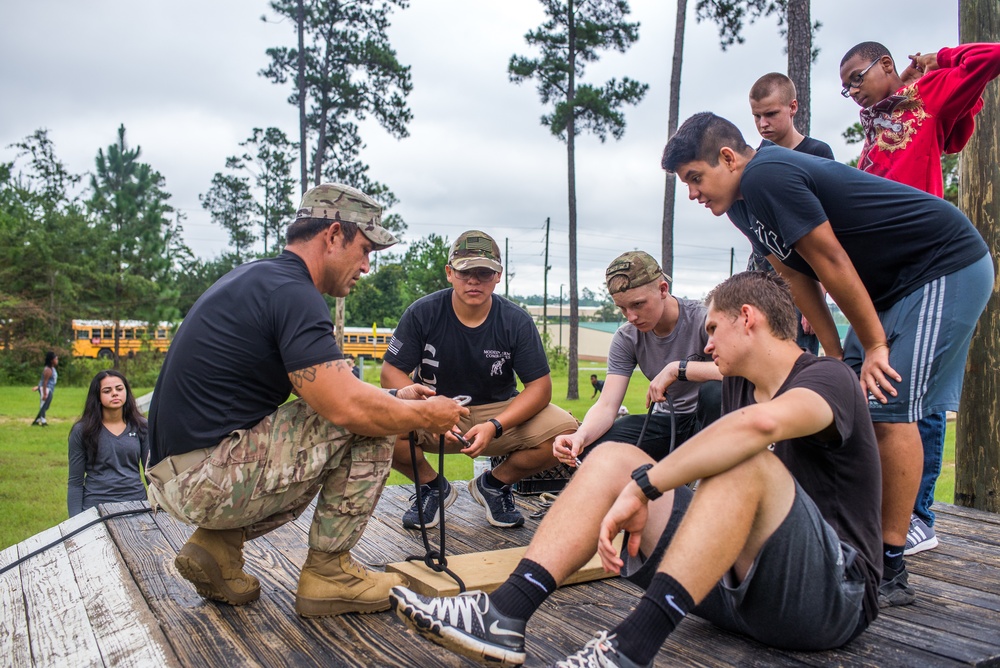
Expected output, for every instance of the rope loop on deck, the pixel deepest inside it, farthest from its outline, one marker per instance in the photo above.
(434, 559)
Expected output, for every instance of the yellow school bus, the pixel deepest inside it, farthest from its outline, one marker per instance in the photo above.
(96, 338)
(370, 342)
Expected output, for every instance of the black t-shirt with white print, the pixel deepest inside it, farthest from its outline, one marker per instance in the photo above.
(453, 359)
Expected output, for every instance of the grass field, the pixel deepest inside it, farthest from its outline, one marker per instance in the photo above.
(33, 460)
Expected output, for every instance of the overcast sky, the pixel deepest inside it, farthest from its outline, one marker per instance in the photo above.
(182, 77)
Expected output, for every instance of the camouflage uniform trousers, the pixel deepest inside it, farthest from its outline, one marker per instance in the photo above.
(265, 476)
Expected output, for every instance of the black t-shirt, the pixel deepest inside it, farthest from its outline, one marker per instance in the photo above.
(838, 468)
(897, 237)
(454, 359)
(228, 365)
(757, 261)
(814, 147)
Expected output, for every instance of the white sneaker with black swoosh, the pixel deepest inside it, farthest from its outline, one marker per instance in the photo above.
(466, 624)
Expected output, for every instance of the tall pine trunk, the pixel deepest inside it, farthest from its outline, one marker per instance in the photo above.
(301, 84)
(800, 58)
(977, 439)
(573, 389)
(670, 185)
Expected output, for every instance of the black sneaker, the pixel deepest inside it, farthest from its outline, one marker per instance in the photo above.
(499, 503)
(895, 588)
(466, 624)
(601, 652)
(431, 498)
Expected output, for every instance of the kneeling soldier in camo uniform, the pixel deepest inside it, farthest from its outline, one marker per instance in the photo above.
(231, 457)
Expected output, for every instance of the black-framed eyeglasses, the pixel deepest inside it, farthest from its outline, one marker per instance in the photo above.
(857, 79)
(482, 274)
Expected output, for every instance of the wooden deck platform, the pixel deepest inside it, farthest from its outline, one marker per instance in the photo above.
(111, 596)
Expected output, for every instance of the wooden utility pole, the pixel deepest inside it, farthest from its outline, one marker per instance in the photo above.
(545, 287)
(977, 435)
(506, 266)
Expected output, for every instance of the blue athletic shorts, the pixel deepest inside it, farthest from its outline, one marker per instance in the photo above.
(929, 331)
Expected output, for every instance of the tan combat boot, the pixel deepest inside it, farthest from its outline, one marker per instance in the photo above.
(213, 562)
(333, 583)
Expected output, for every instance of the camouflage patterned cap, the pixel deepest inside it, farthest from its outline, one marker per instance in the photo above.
(335, 201)
(474, 249)
(638, 267)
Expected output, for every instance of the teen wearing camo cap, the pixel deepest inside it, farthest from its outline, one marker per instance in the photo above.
(220, 426)
(465, 340)
(665, 337)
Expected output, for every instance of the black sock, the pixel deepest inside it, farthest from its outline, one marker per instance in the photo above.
(892, 557)
(433, 483)
(492, 482)
(524, 591)
(660, 610)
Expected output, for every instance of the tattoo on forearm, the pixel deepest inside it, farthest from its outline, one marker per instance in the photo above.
(308, 375)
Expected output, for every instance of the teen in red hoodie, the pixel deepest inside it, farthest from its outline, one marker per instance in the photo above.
(910, 119)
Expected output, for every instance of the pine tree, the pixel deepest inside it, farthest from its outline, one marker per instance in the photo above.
(572, 36)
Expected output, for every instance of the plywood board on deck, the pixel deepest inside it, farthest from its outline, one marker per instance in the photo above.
(484, 571)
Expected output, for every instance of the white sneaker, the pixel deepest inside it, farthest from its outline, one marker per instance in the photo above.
(920, 537)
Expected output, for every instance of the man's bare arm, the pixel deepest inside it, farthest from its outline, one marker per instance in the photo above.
(336, 394)
(810, 297)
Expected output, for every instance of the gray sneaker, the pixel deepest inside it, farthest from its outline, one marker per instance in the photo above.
(601, 652)
(499, 503)
(895, 589)
(920, 537)
(466, 624)
(431, 499)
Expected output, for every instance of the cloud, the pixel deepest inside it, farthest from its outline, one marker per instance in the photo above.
(182, 77)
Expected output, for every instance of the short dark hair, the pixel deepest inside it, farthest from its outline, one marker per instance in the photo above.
(773, 82)
(701, 137)
(765, 291)
(305, 229)
(869, 51)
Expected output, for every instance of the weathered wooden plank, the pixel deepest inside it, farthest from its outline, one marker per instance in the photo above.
(14, 641)
(369, 640)
(482, 570)
(980, 516)
(126, 631)
(196, 630)
(58, 625)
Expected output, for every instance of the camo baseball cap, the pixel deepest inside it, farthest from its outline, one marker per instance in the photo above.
(337, 202)
(474, 249)
(638, 267)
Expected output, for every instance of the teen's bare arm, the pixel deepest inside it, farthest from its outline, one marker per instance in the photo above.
(596, 422)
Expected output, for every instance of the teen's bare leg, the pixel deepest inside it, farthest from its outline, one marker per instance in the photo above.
(902, 458)
(567, 537)
(730, 518)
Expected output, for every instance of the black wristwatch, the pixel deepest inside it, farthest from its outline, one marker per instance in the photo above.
(497, 426)
(682, 370)
(641, 479)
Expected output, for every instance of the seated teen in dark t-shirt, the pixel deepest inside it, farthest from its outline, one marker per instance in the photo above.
(780, 541)
(468, 341)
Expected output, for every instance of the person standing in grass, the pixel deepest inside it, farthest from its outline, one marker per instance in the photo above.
(106, 446)
(46, 387)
